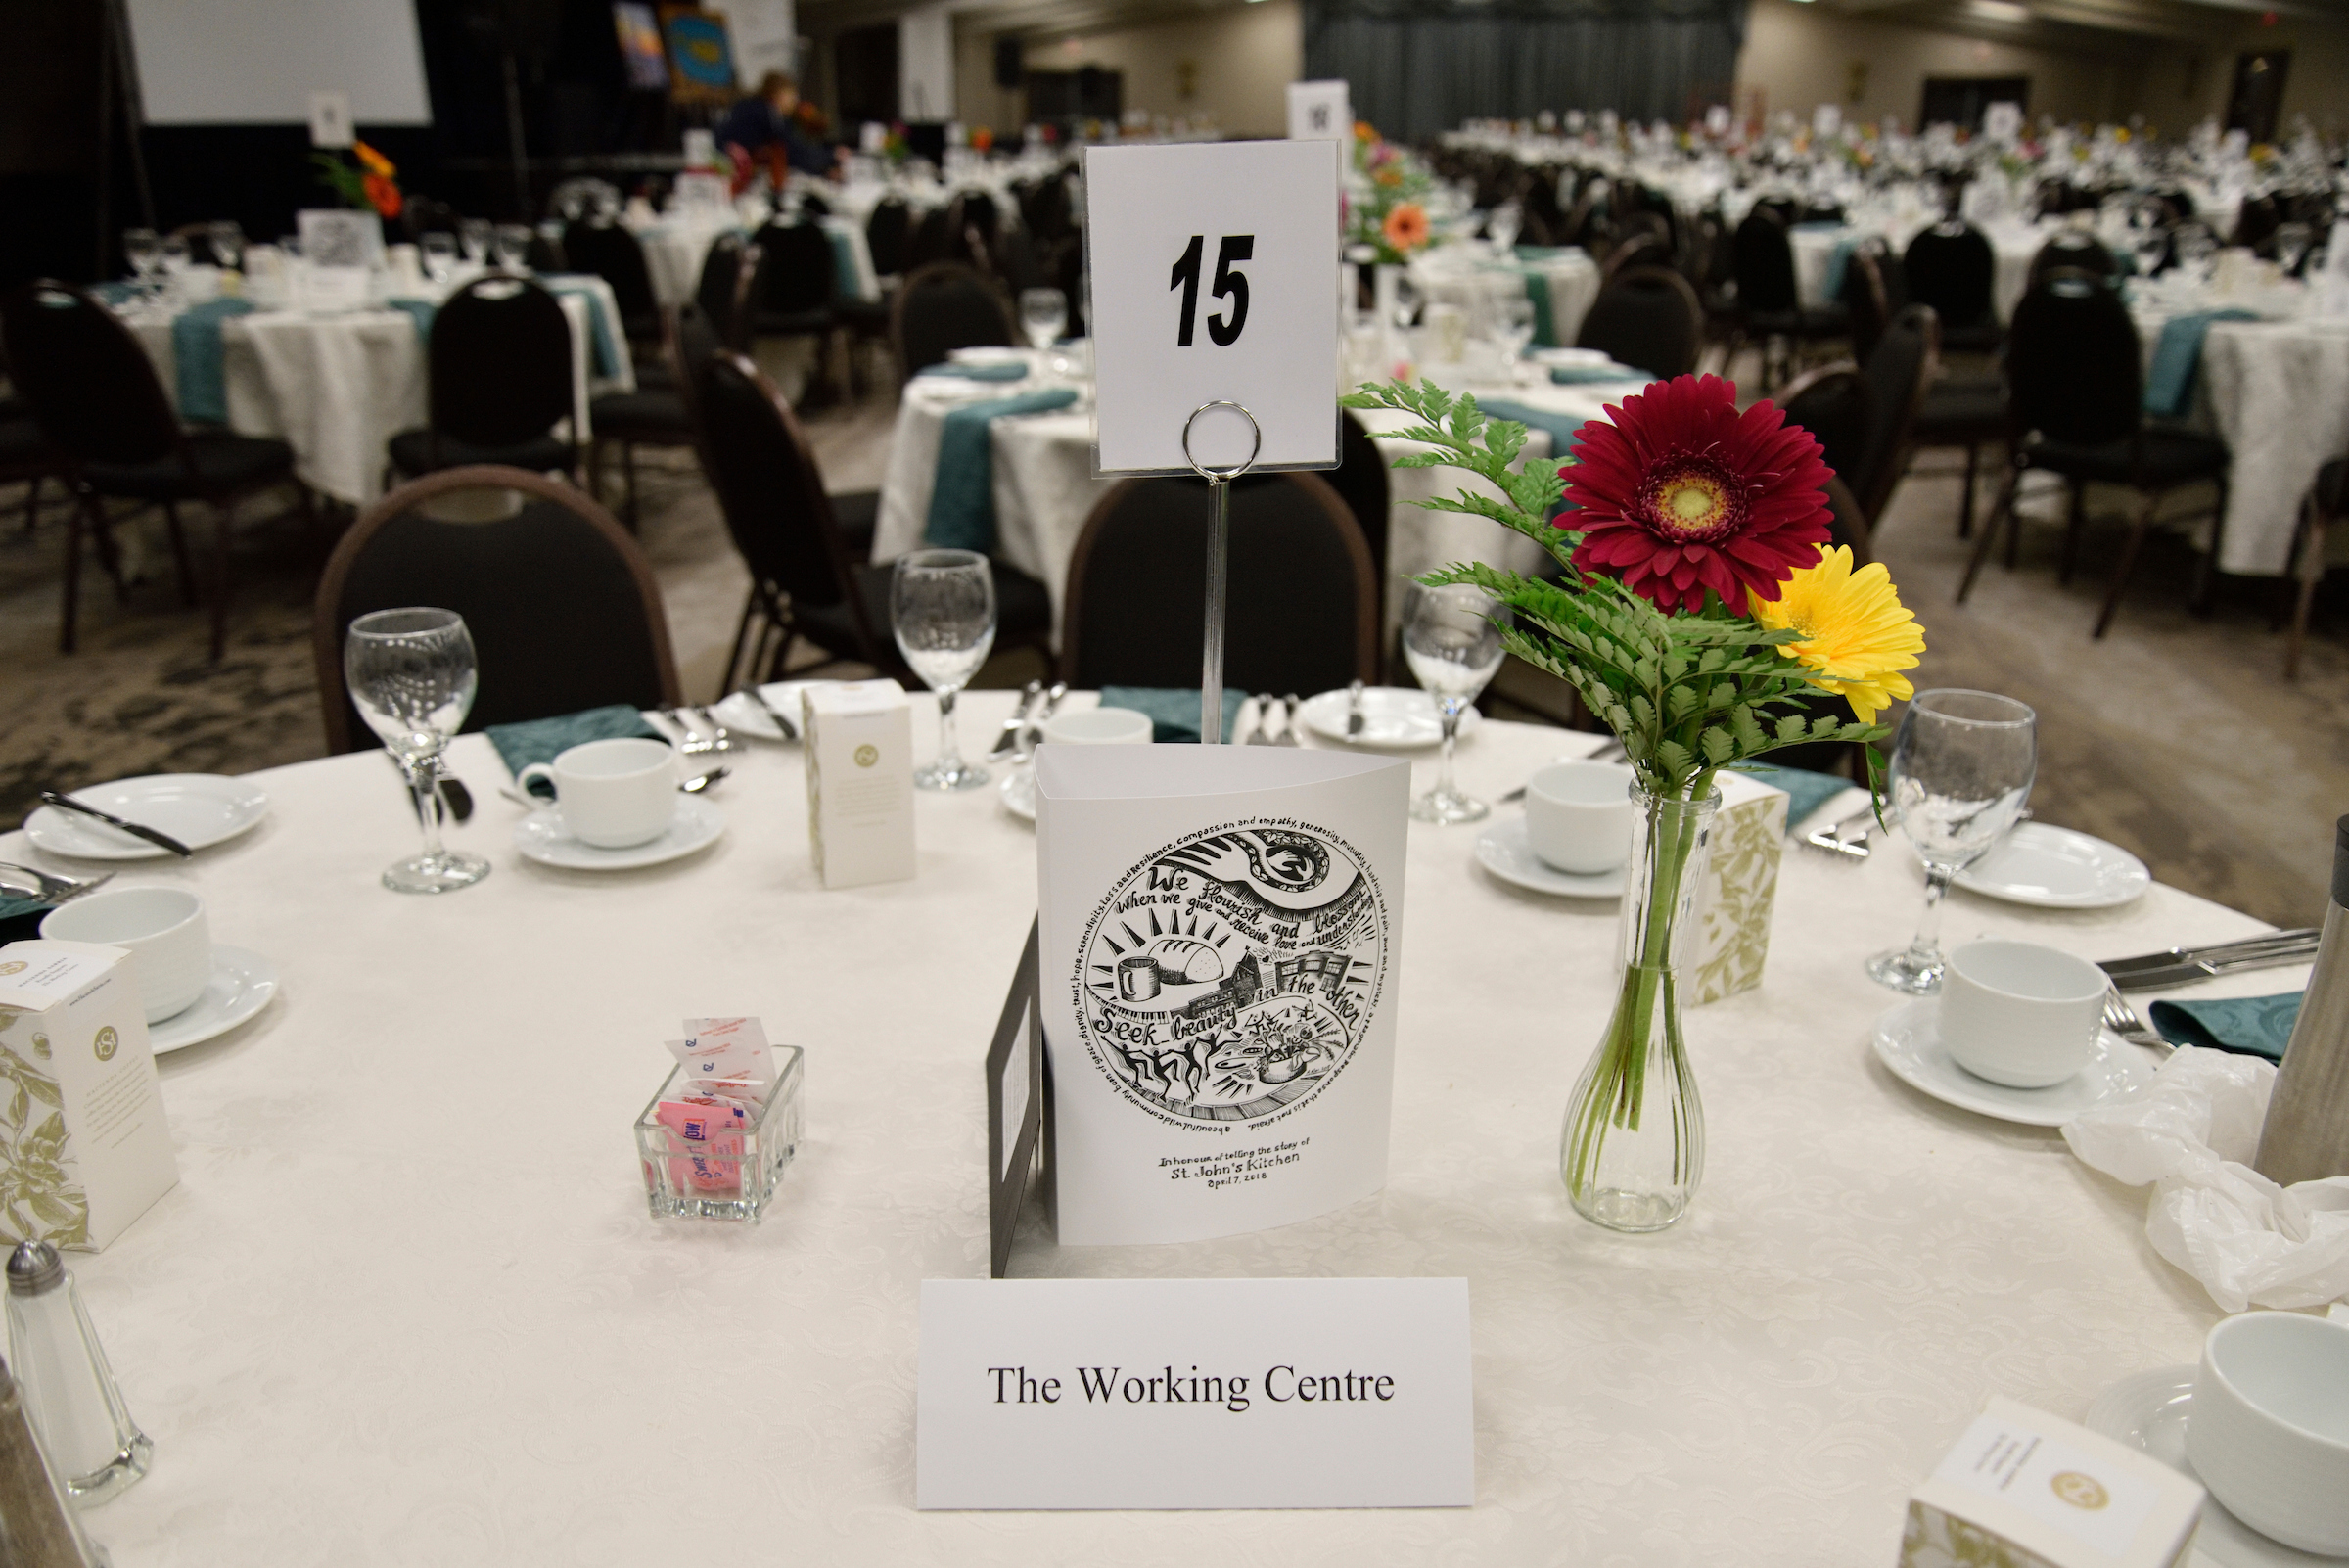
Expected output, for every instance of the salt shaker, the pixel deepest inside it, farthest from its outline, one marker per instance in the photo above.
(37, 1524)
(70, 1391)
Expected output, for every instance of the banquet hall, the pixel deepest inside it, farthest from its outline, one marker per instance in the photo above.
(1767, 575)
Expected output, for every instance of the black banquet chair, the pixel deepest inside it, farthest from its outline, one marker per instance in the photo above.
(1866, 415)
(498, 367)
(727, 291)
(1769, 306)
(943, 307)
(588, 632)
(805, 549)
(1952, 267)
(1303, 613)
(1649, 318)
(612, 254)
(2076, 407)
(103, 411)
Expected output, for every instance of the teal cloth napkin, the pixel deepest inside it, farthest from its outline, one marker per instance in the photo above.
(543, 740)
(420, 311)
(1002, 370)
(2178, 357)
(196, 359)
(846, 284)
(1592, 376)
(962, 502)
(600, 331)
(1807, 791)
(1173, 710)
(1839, 261)
(2249, 1026)
(1561, 427)
(1545, 323)
(114, 295)
(20, 919)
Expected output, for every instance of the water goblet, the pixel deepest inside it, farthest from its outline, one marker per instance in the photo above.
(2198, 248)
(2292, 241)
(143, 249)
(510, 242)
(228, 240)
(473, 234)
(1512, 330)
(1961, 767)
(439, 249)
(1502, 225)
(941, 605)
(412, 677)
(175, 256)
(1451, 640)
(1043, 316)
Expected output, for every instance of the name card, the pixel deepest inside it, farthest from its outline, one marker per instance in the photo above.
(1214, 279)
(1195, 1393)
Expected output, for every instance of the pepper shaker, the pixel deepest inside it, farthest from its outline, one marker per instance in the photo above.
(70, 1391)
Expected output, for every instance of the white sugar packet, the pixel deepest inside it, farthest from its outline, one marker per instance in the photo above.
(727, 1056)
(2192, 1133)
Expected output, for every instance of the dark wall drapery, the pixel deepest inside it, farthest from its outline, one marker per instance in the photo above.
(1418, 68)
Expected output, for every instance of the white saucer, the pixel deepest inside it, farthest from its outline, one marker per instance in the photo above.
(1399, 716)
(199, 810)
(2056, 868)
(738, 711)
(1018, 793)
(540, 837)
(1907, 1041)
(2148, 1412)
(241, 985)
(1502, 850)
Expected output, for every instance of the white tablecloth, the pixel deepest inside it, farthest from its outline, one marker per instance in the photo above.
(1466, 275)
(675, 248)
(406, 1306)
(336, 388)
(2278, 395)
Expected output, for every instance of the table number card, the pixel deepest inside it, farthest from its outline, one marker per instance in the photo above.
(1320, 110)
(1214, 279)
(1195, 1393)
(1219, 957)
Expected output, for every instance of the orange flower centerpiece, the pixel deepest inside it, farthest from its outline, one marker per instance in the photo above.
(1385, 209)
(372, 185)
(1702, 617)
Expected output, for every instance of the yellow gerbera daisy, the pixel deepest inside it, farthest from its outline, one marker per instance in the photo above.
(1853, 630)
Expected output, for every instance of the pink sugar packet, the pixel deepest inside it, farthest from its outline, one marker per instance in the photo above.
(707, 1129)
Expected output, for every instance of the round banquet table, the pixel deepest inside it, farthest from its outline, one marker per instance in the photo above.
(406, 1305)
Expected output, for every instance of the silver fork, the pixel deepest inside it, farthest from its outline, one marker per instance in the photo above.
(2122, 1020)
(1832, 839)
(720, 738)
(694, 740)
(54, 889)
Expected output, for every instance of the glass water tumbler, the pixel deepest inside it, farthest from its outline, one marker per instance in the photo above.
(98, 1449)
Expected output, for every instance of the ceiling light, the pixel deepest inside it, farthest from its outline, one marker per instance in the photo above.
(1999, 10)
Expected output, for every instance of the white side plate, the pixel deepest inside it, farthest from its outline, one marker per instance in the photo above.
(1399, 716)
(241, 985)
(2056, 868)
(199, 810)
(1908, 1040)
(541, 837)
(2150, 1411)
(738, 712)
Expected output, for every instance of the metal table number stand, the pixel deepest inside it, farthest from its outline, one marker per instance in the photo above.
(1219, 566)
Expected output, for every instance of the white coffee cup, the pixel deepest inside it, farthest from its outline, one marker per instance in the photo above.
(614, 793)
(2020, 1014)
(170, 942)
(1578, 816)
(2269, 1428)
(1099, 726)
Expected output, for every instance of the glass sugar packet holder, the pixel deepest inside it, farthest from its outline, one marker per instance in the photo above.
(732, 1176)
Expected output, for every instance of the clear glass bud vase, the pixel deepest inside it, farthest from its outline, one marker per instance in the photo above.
(1633, 1147)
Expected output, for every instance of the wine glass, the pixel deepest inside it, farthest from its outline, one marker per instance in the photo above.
(439, 247)
(143, 249)
(411, 677)
(228, 240)
(1512, 330)
(2292, 241)
(1502, 225)
(512, 243)
(1961, 768)
(2197, 248)
(1451, 640)
(942, 605)
(475, 234)
(175, 256)
(1043, 316)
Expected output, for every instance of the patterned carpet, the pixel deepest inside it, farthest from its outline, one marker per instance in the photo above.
(2175, 736)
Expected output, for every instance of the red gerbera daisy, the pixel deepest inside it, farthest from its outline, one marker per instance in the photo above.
(1681, 493)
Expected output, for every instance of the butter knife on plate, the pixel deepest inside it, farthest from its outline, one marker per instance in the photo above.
(160, 840)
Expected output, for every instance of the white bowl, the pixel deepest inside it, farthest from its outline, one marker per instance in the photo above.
(163, 929)
(2268, 1433)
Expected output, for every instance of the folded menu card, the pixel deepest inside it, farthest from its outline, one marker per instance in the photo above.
(1219, 958)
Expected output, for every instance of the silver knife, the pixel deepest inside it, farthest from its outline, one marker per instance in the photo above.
(2171, 957)
(160, 840)
(791, 731)
(2204, 968)
(1032, 731)
(1009, 740)
(1353, 710)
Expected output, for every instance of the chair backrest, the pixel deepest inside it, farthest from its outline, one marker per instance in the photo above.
(2075, 251)
(84, 376)
(1639, 246)
(1303, 613)
(771, 492)
(1648, 318)
(1361, 482)
(1765, 263)
(1894, 380)
(1865, 295)
(613, 255)
(562, 605)
(1952, 267)
(887, 232)
(1831, 403)
(1848, 522)
(727, 288)
(2073, 371)
(942, 307)
(545, 254)
(500, 362)
(799, 270)
(931, 241)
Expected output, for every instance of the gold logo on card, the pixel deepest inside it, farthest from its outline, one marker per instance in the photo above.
(15, 967)
(867, 756)
(106, 1043)
(2080, 1491)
